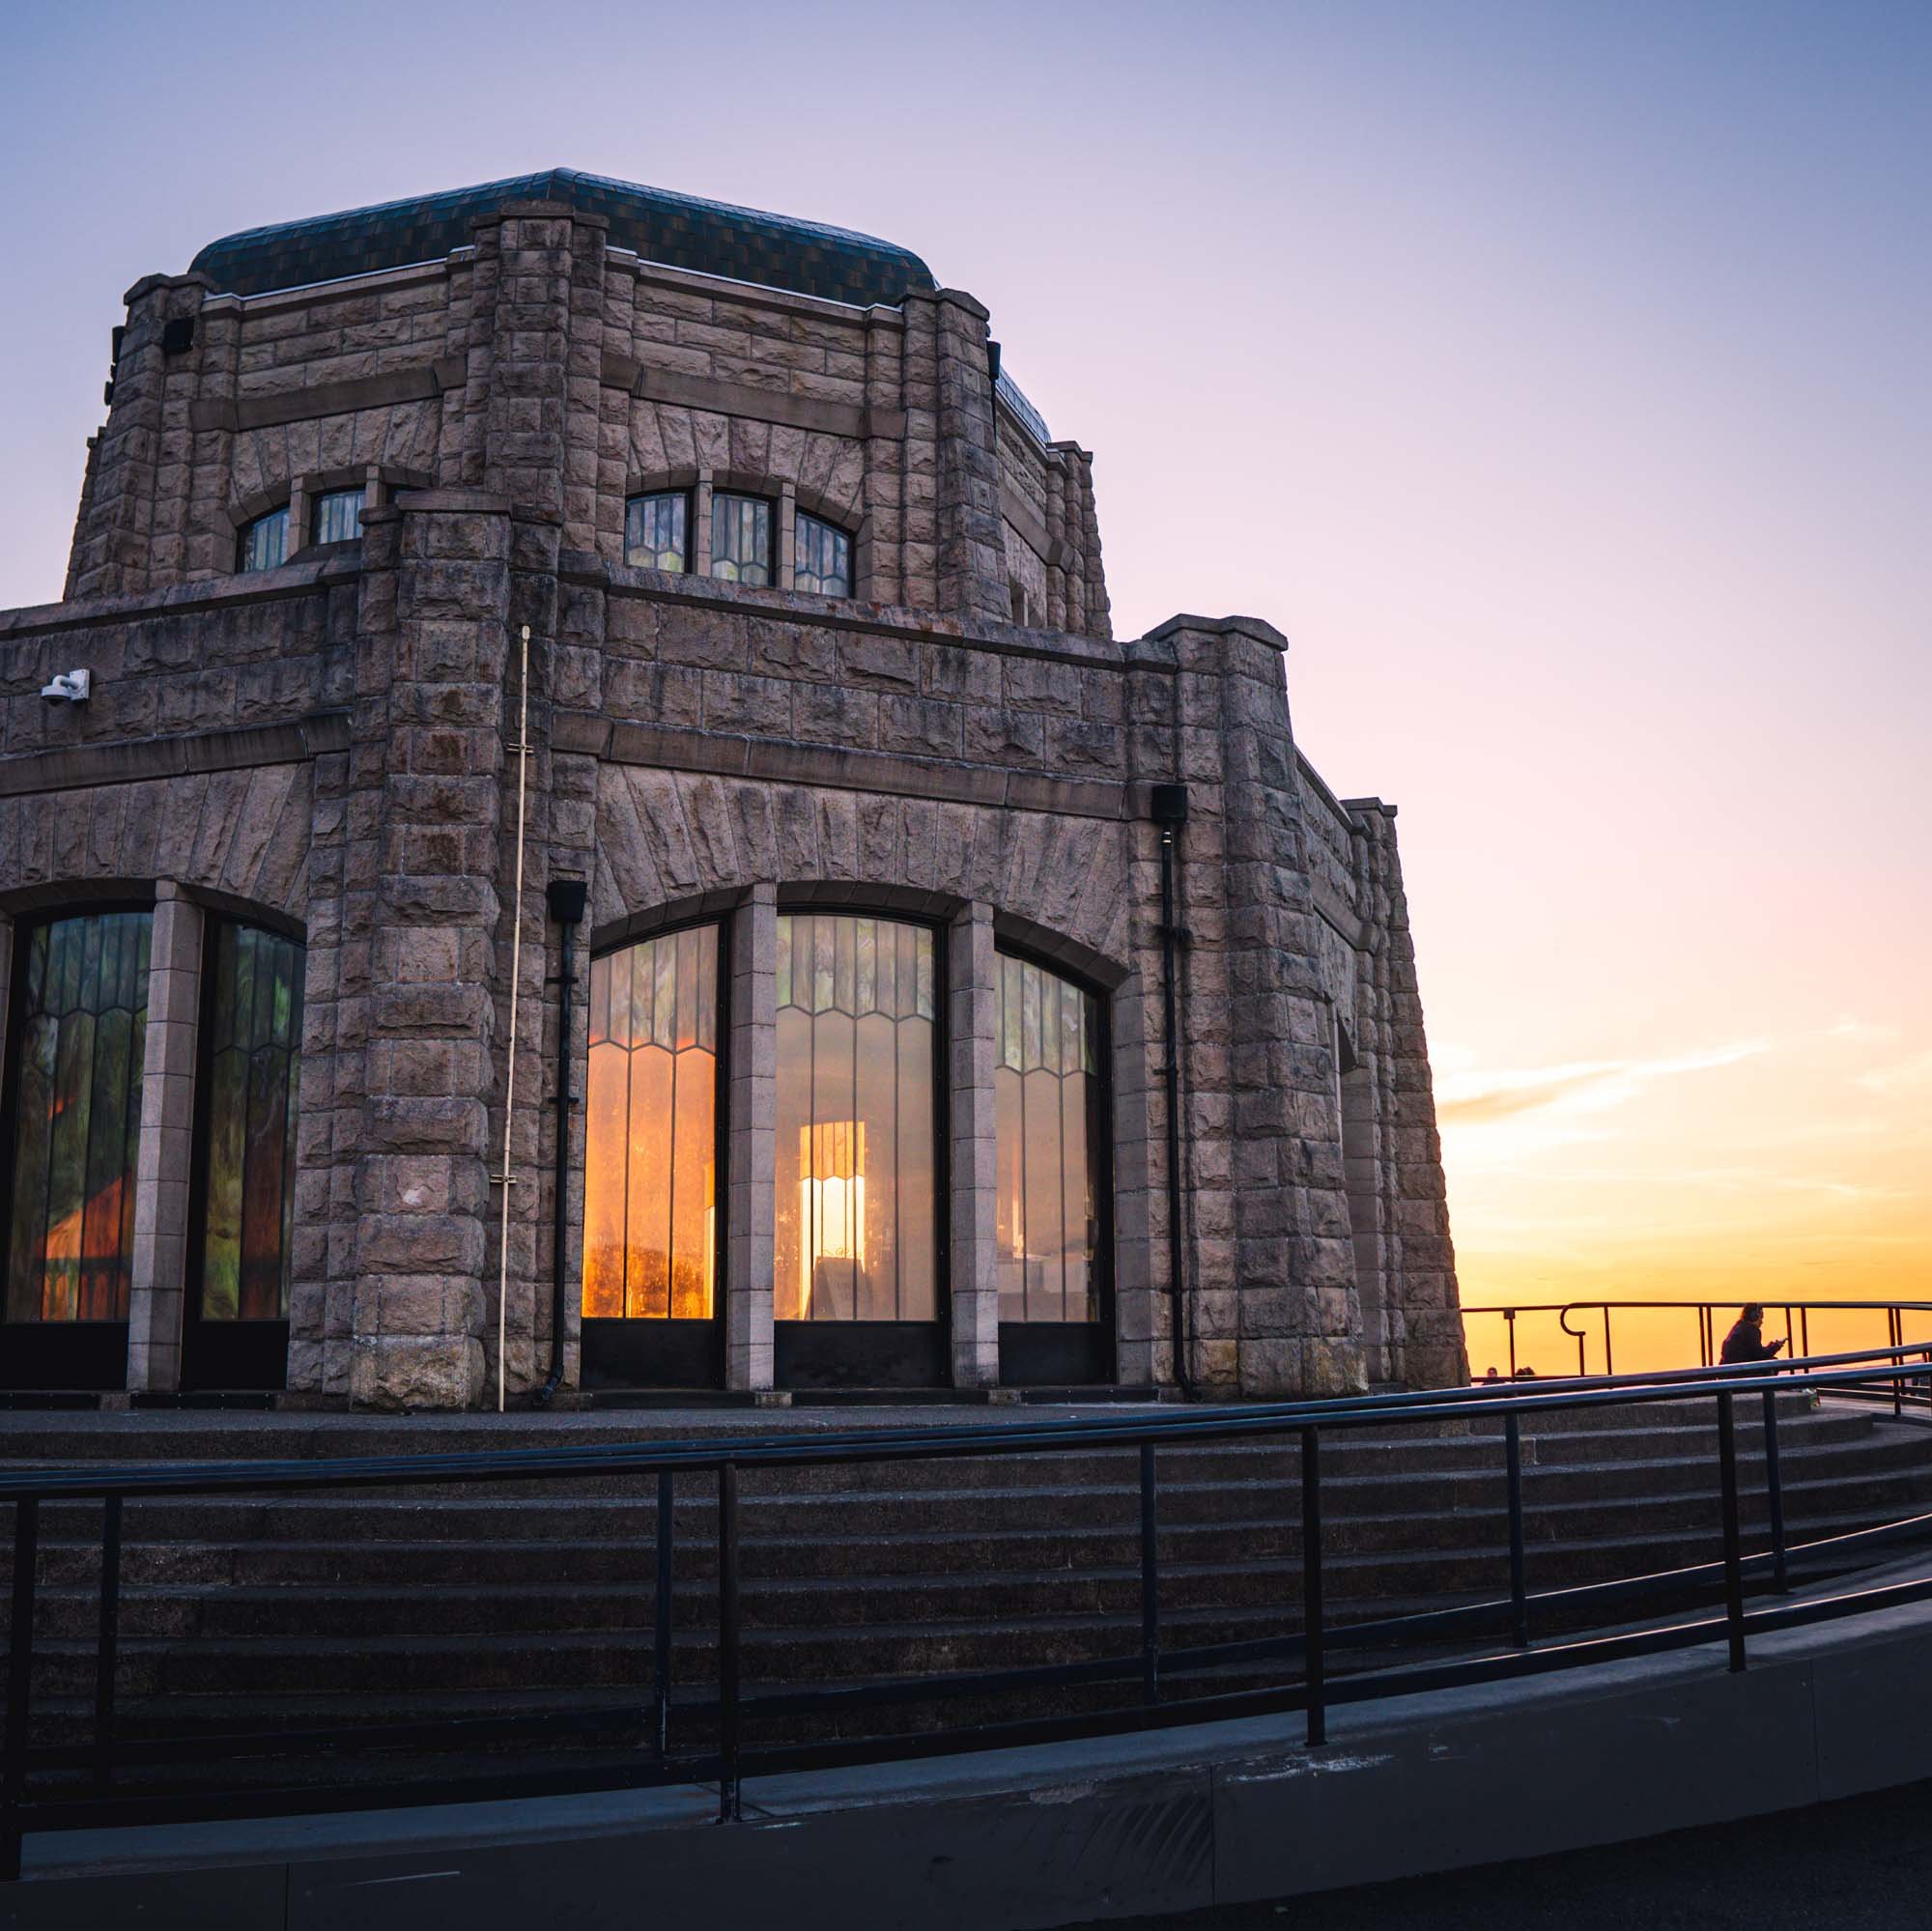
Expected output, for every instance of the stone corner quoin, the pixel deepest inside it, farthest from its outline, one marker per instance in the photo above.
(946, 734)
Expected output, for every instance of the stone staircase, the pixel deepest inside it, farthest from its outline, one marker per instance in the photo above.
(393, 1606)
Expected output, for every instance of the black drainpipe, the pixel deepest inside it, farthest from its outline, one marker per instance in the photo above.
(567, 897)
(1168, 807)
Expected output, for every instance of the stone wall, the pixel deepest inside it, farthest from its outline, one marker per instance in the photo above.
(541, 364)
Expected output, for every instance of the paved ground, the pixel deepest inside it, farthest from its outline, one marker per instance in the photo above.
(1863, 1865)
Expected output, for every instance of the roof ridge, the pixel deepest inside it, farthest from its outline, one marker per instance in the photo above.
(659, 224)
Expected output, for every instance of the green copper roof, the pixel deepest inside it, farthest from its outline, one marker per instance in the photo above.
(679, 230)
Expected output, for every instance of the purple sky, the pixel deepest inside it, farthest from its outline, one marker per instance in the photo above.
(1555, 374)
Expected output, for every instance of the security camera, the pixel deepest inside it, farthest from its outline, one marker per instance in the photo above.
(70, 687)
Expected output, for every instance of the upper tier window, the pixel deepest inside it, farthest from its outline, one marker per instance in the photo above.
(654, 531)
(822, 558)
(264, 543)
(741, 539)
(338, 517)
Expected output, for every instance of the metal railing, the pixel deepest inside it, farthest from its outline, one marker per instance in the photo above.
(697, 1734)
(1708, 1316)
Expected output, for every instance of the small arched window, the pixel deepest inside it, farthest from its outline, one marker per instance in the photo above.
(264, 543)
(822, 558)
(337, 517)
(655, 530)
(741, 539)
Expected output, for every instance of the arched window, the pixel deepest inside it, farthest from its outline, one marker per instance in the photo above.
(821, 557)
(655, 530)
(856, 1046)
(250, 1042)
(337, 517)
(76, 1117)
(264, 543)
(650, 1183)
(1047, 1126)
(741, 539)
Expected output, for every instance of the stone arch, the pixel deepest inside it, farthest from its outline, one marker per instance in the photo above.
(242, 835)
(663, 837)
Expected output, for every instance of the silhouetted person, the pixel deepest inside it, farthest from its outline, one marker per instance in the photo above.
(1492, 1376)
(1745, 1340)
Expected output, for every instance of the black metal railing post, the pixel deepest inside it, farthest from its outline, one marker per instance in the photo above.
(1150, 1580)
(1509, 1322)
(1727, 1477)
(660, 1632)
(107, 1656)
(729, 1810)
(1609, 1352)
(1895, 1337)
(1314, 1662)
(19, 1684)
(1774, 1495)
(1519, 1588)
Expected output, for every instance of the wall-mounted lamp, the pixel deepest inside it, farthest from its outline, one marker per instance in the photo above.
(70, 687)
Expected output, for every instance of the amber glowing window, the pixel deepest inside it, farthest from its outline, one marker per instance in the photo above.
(654, 531)
(251, 1041)
(741, 539)
(77, 1117)
(821, 557)
(264, 543)
(338, 517)
(650, 1183)
(857, 1036)
(1046, 1090)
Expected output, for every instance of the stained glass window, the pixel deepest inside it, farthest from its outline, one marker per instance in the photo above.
(821, 557)
(338, 516)
(252, 1041)
(264, 543)
(650, 1183)
(1046, 1104)
(654, 536)
(741, 538)
(77, 1117)
(857, 1229)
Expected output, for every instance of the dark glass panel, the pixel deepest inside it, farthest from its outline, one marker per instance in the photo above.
(741, 539)
(1046, 1104)
(693, 1184)
(1010, 1213)
(876, 1107)
(247, 1123)
(857, 1238)
(654, 531)
(605, 1143)
(338, 517)
(647, 1235)
(264, 543)
(650, 1188)
(918, 1226)
(821, 557)
(793, 1187)
(77, 1122)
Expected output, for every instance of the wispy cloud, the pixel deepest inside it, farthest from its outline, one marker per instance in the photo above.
(1474, 1098)
(1901, 1076)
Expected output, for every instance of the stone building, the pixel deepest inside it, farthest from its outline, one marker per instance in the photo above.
(609, 842)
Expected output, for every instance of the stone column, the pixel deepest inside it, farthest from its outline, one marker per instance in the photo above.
(970, 965)
(1422, 1312)
(166, 1148)
(752, 1201)
(1274, 1300)
(418, 1027)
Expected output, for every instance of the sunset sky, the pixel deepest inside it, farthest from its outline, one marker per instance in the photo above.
(1555, 374)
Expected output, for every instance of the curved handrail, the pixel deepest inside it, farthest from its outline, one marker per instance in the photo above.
(921, 1443)
(1305, 1422)
(1797, 1314)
